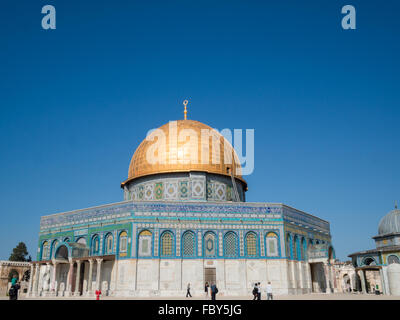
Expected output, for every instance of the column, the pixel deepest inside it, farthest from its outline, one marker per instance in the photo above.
(301, 279)
(69, 279)
(78, 278)
(362, 278)
(89, 285)
(30, 281)
(53, 286)
(98, 275)
(308, 277)
(293, 275)
(46, 280)
(36, 281)
(327, 278)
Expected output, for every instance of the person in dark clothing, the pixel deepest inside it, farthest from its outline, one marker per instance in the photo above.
(188, 291)
(214, 291)
(255, 291)
(13, 292)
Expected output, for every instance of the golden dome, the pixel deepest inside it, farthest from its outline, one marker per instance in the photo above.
(183, 146)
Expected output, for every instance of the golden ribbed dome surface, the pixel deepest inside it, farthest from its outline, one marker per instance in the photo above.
(183, 146)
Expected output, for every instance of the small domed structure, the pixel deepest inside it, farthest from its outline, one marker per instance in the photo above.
(382, 263)
(390, 223)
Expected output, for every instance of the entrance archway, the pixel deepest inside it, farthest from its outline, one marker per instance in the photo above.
(13, 273)
(62, 253)
(11, 268)
(346, 283)
(318, 278)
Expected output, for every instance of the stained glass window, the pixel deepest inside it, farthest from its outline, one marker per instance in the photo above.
(209, 245)
(393, 259)
(53, 249)
(123, 241)
(145, 239)
(272, 244)
(45, 250)
(295, 248)
(251, 244)
(230, 245)
(166, 244)
(95, 244)
(303, 249)
(288, 246)
(109, 243)
(189, 244)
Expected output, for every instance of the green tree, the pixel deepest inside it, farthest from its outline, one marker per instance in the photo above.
(19, 253)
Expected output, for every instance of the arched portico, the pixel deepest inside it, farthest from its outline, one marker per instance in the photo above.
(8, 269)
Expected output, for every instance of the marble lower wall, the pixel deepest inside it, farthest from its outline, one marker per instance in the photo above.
(155, 277)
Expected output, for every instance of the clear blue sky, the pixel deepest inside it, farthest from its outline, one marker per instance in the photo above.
(75, 102)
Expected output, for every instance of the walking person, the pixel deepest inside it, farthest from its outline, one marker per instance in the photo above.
(188, 291)
(13, 292)
(268, 289)
(214, 291)
(14, 280)
(255, 291)
(206, 286)
(259, 291)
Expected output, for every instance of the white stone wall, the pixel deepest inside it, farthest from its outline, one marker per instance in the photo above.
(169, 277)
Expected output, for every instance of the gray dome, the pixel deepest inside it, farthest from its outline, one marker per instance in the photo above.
(390, 223)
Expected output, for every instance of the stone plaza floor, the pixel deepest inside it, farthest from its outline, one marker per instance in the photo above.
(313, 296)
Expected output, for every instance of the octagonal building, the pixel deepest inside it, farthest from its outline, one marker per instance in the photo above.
(183, 219)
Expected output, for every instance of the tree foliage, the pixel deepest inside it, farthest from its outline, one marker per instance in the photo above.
(20, 253)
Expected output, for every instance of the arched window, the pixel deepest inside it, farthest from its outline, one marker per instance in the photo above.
(303, 249)
(108, 244)
(123, 243)
(66, 239)
(272, 244)
(62, 253)
(295, 248)
(189, 244)
(145, 239)
(369, 261)
(230, 245)
(53, 249)
(167, 244)
(393, 259)
(251, 244)
(210, 245)
(45, 250)
(289, 251)
(95, 245)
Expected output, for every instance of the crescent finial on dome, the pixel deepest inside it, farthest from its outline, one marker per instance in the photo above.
(185, 103)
